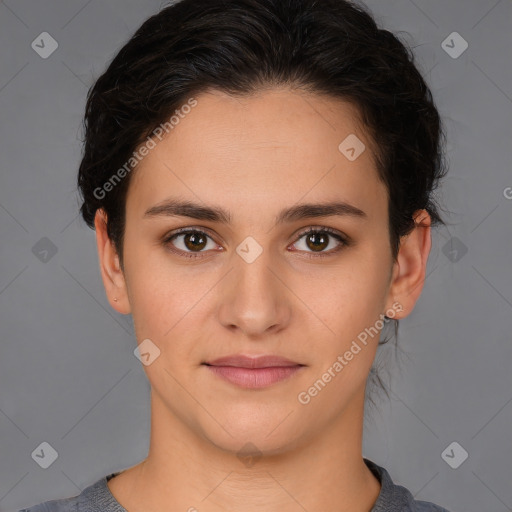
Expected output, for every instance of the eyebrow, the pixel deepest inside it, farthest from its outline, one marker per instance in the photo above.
(174, 207)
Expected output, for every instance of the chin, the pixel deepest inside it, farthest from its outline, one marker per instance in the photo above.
(271, 434)
(251, 447)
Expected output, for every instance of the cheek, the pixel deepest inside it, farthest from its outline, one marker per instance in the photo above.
(169, 305)
(350, 305)
(155, 294)
(349, 300)
(349, 295)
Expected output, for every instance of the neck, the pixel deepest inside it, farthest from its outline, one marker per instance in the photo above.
(185, 471)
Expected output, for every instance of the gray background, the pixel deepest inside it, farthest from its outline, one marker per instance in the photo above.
(68, 373)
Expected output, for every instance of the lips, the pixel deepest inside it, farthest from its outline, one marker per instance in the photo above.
(242, 361)
(253, 372)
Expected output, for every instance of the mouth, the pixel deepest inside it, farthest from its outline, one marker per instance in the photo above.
(260, 361)
(253, 372)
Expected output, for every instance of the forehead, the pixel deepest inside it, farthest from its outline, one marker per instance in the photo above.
(276, 146)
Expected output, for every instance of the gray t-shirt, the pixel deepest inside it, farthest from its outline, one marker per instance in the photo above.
(98, 498)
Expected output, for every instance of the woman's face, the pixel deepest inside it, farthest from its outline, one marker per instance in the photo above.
(254, 286)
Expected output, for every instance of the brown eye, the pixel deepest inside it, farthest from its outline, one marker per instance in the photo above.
(317, 240)
(194, 240)
(189, 242)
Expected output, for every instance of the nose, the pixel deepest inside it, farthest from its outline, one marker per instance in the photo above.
(254, 298)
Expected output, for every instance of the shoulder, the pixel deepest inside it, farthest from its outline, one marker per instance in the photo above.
(396, 498)
(95, 498)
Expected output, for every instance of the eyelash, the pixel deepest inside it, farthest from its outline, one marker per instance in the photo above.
(344, 241)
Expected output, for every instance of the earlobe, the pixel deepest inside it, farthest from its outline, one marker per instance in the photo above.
(410, 268)
(110, 269)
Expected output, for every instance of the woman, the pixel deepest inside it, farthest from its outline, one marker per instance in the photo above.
(259, 174)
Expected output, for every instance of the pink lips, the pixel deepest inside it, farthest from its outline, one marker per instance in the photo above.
(253, 372)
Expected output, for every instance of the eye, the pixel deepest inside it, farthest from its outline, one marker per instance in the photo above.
(319, 238)
(193, 240)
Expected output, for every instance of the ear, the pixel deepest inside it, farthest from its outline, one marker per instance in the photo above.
(111, 272)
(410, 268)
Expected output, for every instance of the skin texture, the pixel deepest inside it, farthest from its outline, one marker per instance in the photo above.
(254, 156)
